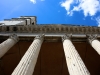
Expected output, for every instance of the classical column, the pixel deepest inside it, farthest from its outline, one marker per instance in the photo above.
(92, 39)
(27, 64)
(74, 62)
(7, 44)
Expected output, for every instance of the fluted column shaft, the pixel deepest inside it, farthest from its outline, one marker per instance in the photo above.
(73, 59)
(94, 42)
(7, 44)
(96, 45)
(28, 61)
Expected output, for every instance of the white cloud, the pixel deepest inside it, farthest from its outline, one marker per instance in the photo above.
(89, 7)
(67, 5)
(98, 21)
(33, 1)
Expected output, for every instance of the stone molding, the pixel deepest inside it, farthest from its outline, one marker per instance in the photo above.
(50, 29)
(40, 37)
(66, 36)
(14, 37)
(91, 37)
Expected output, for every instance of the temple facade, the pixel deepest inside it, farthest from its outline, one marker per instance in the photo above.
(28, 48)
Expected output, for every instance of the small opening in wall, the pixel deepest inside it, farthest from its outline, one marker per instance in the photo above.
(57, 29)
(33, 23)
(7, 28)
(26, 22)
(14, 29)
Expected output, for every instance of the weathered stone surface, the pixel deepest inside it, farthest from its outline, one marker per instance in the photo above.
(51, 28)
(74, 62)
(7, 44)
(28, 61)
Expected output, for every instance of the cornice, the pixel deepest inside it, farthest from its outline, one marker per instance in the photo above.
(50, 29)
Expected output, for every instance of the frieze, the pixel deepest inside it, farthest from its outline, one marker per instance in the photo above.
(50, 29)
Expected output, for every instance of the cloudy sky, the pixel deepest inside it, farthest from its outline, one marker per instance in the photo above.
(81, 12)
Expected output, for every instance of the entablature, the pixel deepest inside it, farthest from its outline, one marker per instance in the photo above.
(50, 29)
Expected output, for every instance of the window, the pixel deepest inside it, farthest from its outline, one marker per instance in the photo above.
(2, 24)
(14, 29)
(7, 28)
(33, 23)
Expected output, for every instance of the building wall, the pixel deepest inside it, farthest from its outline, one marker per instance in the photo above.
(28, 21)
(51, 60)
(13, 22)
(31, 20)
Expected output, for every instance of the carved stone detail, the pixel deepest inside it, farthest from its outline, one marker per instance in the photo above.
(91, 37)
(3, 28)
(66, 36)
(14, 37)
(54, 29)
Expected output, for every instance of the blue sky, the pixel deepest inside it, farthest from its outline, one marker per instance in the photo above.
(81, 12)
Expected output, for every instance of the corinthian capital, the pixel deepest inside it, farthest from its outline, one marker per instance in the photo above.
(91, 37)
(14, 37)
(40, 36)
(66, 36)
